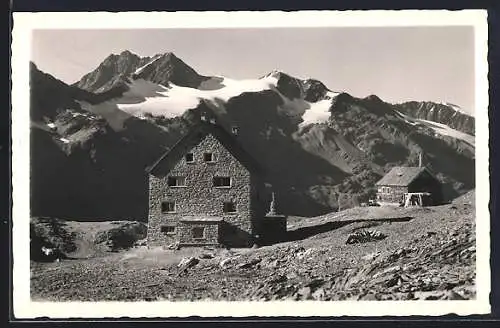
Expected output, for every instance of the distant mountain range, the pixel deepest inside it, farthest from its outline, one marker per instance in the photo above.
(92, 140)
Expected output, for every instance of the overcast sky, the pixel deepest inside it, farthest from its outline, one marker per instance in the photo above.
(395, 63)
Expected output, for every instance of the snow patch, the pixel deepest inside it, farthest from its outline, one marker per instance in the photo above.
(140, 69)
(445, 130)
(51, 125)
(64, 140)
(439, 128)
(406, 118)
(148, 97)
(318, 112)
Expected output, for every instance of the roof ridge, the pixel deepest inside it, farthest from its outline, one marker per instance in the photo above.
(402, 175)
(206, 128)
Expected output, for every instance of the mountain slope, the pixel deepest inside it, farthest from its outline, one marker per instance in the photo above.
(161, 68)
(111, 72)
(91, 148)
(449, 114)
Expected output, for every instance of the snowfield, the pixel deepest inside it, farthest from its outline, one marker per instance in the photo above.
(439, 128)
(158, 100)
(145, 97)
(318, 112)
(445, 130)
(173, 100)
(140, 69)
(406, 118)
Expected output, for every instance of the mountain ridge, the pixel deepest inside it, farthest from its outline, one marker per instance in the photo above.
(100, 139)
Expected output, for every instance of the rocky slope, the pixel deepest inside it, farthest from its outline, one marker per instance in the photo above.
(111, 72)
(424, 254)
(448, 114)
(90, 149)
(161, 68)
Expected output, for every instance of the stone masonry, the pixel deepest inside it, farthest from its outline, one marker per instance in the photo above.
(199, 197)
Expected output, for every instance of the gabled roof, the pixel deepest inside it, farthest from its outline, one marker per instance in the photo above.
(199, 131)
(402, 175)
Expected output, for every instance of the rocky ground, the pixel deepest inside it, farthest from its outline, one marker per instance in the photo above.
(392, 254)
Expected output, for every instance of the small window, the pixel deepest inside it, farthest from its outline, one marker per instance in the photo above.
(198, 232)
(189, 158)
(234, 130)
(208, 157)
(168, 230)
(229, 207)
(176, 181)
(222, 182)
(168, 207)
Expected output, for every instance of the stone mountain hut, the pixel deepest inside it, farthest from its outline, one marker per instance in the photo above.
(403, 179)
(207, 190)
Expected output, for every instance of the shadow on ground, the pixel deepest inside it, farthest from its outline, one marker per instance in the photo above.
(306, 232)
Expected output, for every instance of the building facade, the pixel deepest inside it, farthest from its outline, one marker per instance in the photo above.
(400, 180)
(206, 191)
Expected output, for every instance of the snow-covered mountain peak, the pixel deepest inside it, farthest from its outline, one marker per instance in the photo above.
(275, 73)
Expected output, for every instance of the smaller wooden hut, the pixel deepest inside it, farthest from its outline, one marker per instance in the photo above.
(401, 180)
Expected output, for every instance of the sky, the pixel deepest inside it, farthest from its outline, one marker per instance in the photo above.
(395, 63)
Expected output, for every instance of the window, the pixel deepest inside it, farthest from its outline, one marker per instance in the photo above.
(208, 157)
(229, 207)
(234, 130)
(189, 158)
(384, 190)
(198, 232)
(168, 230)
(168, 207)
(222, 182)
(176, 181)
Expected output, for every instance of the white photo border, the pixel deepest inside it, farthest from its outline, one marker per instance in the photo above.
(25, 23)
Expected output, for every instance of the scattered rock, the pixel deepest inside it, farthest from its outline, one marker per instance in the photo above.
(319, 294)
(186, 263)
(304, 293)
(365, 236)
(315, 283)
(249, 264)
(226, 262)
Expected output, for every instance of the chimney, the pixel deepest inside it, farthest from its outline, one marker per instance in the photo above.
(420, 159)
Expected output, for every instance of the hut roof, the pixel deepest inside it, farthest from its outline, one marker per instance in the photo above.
(401, 176)
(196, 134)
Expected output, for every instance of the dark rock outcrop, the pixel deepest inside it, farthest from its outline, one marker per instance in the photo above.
(440, 113)
(112, 72)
